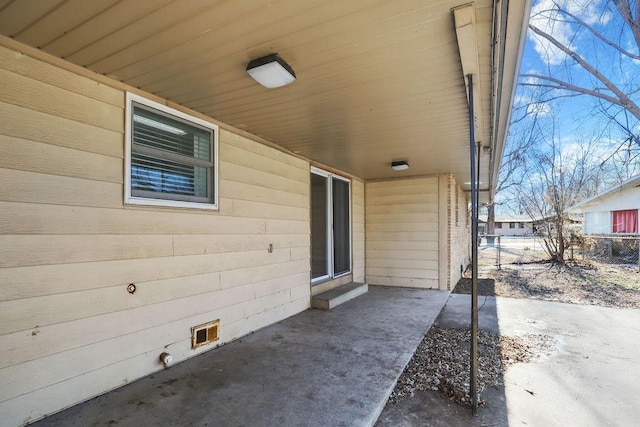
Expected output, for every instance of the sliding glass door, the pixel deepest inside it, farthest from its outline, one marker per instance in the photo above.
(330, 226)
(341, 232)
(319, 227)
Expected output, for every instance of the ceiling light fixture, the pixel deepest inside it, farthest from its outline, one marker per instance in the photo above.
(400, 165)
(271, 71)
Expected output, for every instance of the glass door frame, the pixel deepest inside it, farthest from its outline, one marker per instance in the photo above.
(329, 227)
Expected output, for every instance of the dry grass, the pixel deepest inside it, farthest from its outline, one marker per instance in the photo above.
(605, 285)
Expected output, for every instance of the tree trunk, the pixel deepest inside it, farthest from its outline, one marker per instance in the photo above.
(491, 224)
(491, 219)
(561, 245)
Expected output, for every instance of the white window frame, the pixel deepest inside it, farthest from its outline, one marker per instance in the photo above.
(330, 245)
(129, 199)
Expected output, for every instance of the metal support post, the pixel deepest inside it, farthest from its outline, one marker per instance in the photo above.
(474, 255)
(499, 253)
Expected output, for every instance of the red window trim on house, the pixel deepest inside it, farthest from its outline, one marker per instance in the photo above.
(625, 221)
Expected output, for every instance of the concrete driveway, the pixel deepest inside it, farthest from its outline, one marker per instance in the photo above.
(592, 379)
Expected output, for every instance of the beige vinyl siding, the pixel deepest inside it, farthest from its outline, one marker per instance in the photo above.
(358, 233)
(69, 330)
(402, 232)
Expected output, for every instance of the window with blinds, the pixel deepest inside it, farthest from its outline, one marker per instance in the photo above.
(171, 157)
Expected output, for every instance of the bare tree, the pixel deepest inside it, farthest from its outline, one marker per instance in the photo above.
(558, 177)
(515, 157)
(592, 48)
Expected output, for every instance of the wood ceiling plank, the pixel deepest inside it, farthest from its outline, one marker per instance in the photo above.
(363, 136)
(4, 4)
(421, 104)
(337, 142)
(337, 31)
(355, 136)
(379, 70)
(359, 129)
(178, 36)
(20, 14)
(120, 37)
(63, 19)
(362, 93)
(120, 15)
(236, 37)
(310, 65)
(347, 140)
(411, 108)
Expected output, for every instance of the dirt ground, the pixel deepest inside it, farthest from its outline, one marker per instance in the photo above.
(605, 285)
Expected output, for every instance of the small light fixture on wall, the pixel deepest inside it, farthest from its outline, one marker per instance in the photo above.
(400, 165)
(271, 71)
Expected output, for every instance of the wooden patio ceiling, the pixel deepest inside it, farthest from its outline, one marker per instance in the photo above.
(377, 80)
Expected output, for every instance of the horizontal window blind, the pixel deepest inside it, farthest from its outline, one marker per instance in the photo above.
(170, 158)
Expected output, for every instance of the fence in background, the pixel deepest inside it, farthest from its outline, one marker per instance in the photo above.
(489, 250)
(620, 250)
(495, 250)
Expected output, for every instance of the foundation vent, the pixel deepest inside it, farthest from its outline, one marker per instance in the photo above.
(205, 334)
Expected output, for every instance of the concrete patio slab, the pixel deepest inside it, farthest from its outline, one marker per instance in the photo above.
(457, 313)
(319, 368)
(429, 409)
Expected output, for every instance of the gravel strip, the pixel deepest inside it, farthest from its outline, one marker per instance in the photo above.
(441, 362)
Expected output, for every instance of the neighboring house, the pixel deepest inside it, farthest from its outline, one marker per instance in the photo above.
(541, 227)
(510, 225)
(612, 212)
(157, 199)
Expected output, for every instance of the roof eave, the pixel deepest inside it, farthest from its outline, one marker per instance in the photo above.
(630, 183)
(509, 16)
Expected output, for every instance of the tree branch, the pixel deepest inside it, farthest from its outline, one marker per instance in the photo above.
(571, 87)
(624, 7)
(625, 127)
(623, 99)
(599, 35)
